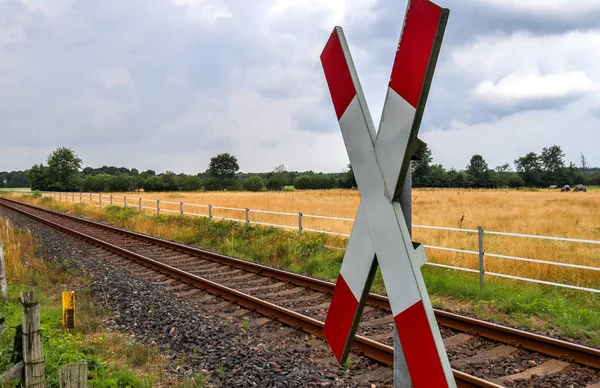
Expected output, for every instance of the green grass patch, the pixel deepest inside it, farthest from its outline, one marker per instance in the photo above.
(15, 188)
(564, 312)
(114, 359)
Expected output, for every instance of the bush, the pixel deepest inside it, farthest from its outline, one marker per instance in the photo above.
(36, 194)
(254, 183)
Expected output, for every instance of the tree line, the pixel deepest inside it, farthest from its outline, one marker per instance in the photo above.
(531, 170)
(63, 172)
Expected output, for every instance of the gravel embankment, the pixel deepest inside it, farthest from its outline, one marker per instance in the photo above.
(203, 334)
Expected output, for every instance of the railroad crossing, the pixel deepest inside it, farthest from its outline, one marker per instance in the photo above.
(380, 161)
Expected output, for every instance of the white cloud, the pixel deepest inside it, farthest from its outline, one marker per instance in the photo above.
(116, 76)
(563, 8)
(499, 55)
(337, 12)
(48, 8)
(503, 140)
(515, 89)
(203, 11)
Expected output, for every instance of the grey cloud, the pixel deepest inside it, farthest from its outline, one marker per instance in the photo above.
(179, 109)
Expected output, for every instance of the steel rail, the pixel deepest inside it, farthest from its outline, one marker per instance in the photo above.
(364, 346)
(546, 345)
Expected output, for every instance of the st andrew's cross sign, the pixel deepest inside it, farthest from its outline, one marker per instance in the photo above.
(380, 161)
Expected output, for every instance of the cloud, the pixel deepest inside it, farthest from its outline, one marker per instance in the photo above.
(516, 89)
(168, 84)
(202, 11)
(562, 8)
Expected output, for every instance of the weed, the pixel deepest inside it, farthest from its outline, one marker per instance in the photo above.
(245, 324)
(222, 373)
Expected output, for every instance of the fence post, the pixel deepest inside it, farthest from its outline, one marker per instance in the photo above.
(33, 355)
(210, 212)
(3, 282)
(59, 196)
(124, 202)
(111, 200)
(140, 204)
(247, 217)
(100, 195)
(68, 311)
(90, 198)
(80, 197)
(73, 197)
(481, 255)
(73, 375)
(300, 225)
(158, 207)
(180, 208)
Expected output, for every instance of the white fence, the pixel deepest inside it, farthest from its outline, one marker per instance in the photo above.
(181, 208)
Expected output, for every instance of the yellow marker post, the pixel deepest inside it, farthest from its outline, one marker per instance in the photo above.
(68, 311)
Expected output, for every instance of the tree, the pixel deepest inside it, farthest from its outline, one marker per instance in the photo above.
(478, 169)
(529, 168)
(223, 166)
(438, 176)
(302, 182)
(421, 168)
(280, 168)
(584, 163)
(190, 183)
(552, 160)
(348, 181)
(63, 170)
(503, 168)
(254, 183)
(278, 181)
(222, 169)
(38, 177)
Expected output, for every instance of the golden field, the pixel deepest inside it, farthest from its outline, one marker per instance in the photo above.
(548, 213)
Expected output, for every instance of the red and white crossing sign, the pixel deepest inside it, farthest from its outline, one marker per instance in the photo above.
(380, 161)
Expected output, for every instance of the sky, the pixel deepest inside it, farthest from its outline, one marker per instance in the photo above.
(167, 84)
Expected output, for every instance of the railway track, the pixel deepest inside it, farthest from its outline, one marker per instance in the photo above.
(510, 356)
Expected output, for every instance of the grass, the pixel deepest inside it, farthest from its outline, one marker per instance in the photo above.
(15, 188)
(562, 312)
(538, 212)
(114, 359)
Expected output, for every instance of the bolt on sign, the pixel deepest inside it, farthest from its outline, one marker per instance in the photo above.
(380, 161)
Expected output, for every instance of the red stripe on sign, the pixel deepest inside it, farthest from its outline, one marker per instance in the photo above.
(419, 348)
(414, 50)
(340, 317)
(337, 74)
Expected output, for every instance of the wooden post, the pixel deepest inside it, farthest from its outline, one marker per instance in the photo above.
(33, 355)
(68, 311)
(73, 376)
(3, 283)
(16, 372)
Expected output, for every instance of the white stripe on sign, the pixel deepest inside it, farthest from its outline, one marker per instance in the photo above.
(382, 218)
(392, 139)
(355, 268)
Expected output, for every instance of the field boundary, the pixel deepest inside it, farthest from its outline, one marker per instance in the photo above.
(153, 206)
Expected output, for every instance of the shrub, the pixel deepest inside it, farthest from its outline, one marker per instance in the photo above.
(254, 183)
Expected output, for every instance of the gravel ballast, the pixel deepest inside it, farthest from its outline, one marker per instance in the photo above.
(202, 334)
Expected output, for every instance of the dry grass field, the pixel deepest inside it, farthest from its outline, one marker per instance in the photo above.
(550, 213)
